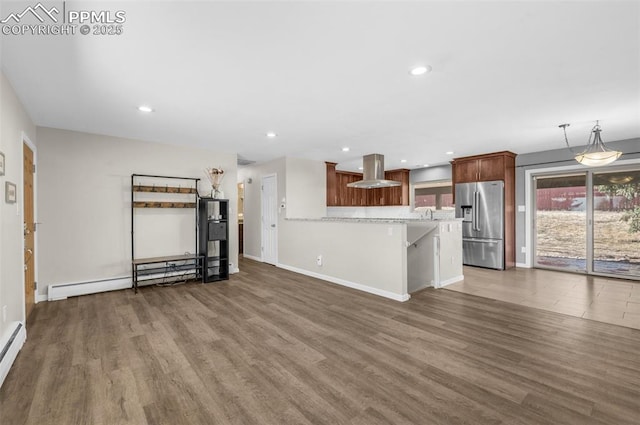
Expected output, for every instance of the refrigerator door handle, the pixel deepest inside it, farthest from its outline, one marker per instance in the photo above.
(476, 211)
(473, 212)
(484, 241)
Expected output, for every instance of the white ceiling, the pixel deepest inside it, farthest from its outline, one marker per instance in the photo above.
(324, 75)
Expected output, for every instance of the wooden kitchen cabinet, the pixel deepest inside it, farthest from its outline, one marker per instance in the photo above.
(490, 167)
(398, 195)
(332, 194)
(339, 195)
(482, 168)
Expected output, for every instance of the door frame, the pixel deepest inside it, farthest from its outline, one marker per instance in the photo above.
(27, 141)
(530, 208)
(588, 216)
(262, 210)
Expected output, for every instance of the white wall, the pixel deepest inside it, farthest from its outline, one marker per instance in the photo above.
(84, 202)
(365, 255)
(13, 122)
(429, 174)
(306, 188)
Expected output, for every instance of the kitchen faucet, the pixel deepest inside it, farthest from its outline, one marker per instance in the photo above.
(428, 212)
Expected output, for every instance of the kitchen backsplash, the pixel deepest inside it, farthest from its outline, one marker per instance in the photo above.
(388, 212)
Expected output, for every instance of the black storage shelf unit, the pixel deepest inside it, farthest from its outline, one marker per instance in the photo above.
(214, 238)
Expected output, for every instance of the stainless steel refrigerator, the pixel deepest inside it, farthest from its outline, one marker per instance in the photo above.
(481, 207)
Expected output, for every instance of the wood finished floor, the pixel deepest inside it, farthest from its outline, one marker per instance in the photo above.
(275, 347)
(608, 300)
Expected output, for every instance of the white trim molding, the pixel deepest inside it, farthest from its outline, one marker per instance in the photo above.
(348, 284)
(446, 282)
(10, 344)
(523, 265)
(252, 257)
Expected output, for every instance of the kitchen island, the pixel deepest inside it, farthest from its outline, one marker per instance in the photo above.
(386, 257)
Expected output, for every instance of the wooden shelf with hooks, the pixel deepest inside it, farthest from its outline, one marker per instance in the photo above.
(141, 204)
(164, 189)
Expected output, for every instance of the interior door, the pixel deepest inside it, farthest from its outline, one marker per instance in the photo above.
(269, 220)
(29, 229)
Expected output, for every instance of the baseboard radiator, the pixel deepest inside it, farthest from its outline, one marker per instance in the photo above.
(11, 343)
(61, 291)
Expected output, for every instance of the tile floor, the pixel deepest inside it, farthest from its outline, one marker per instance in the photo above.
(609, 300)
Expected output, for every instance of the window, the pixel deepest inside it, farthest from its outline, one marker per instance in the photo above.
(434, 195)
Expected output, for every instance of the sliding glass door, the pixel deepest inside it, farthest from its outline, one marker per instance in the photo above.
(561, 222)
(589, 222)
(616, 222)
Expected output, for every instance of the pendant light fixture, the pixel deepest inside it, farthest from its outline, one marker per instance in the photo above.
(596, 153)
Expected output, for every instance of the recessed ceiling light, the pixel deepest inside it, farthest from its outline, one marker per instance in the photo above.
(144, 108)
(403, 160)
(360, 168)
(420, 70)
(449, 153)
(425, 165)
(271, 134)
(345, 149)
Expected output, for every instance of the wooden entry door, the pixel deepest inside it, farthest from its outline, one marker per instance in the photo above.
(29, 229)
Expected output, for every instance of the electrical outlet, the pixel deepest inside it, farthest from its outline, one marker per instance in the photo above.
(523, 249)
(319, 260)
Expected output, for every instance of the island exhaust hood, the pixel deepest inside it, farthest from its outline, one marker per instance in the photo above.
(373, 173)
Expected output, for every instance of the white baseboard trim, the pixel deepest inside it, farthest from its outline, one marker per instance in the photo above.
(349, 284)
(251, 257)
(61, 291)
(41, 298)
(523, 265)
(10, 344)
(450, 281)
(421, 287)
(234, 270)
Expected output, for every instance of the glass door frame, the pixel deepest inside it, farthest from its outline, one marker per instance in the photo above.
(587, 221)
(530, 208)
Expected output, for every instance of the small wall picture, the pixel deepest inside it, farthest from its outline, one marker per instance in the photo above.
(1, 164)
(10, 193)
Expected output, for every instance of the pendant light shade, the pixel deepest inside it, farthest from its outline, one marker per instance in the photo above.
(596, 153)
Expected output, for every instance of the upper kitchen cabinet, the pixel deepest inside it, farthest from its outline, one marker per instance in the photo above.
(339, 195)
(482, 168)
